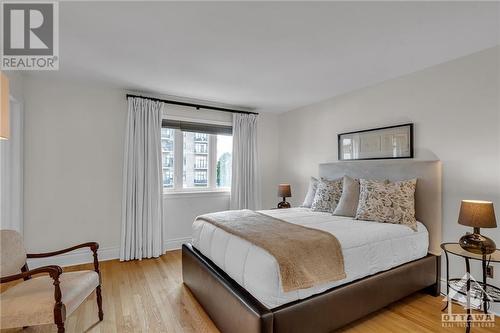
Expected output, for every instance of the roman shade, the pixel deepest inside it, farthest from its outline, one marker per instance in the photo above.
(187, 126)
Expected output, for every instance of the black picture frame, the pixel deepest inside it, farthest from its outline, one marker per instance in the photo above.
(411, 142)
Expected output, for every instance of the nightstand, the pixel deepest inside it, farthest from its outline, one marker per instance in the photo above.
(486, 292)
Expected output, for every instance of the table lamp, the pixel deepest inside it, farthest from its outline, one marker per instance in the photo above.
(284, 192)
(477, 214)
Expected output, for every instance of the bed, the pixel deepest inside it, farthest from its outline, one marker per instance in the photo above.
(239, 287)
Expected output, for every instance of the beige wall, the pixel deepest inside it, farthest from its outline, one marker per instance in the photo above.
(74, 134)
(455, 107)
(268, 142)
(73, 163)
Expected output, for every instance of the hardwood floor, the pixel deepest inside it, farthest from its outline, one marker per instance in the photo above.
(148, 296)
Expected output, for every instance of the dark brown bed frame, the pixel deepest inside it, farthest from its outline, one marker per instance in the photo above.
(233, 309)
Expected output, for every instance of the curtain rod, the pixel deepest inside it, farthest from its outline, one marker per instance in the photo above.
(193, 105)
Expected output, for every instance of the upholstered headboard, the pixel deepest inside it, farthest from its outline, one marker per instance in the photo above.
(428, 191)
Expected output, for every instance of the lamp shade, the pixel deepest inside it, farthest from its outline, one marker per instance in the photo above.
(4, 107)
(477, 214)
(284, 191)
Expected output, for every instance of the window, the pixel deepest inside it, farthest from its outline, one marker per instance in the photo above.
(200, 137)
(200, 178)
(224, 160)
(201, 162)
(201, 148)
(167, 149)
(194, 161)
(195, 165)
(168, 178)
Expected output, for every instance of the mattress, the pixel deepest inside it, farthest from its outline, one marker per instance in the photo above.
(368, 248)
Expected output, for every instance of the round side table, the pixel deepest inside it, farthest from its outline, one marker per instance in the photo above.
(488, 293)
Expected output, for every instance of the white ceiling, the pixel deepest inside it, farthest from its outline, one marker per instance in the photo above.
(270, 56)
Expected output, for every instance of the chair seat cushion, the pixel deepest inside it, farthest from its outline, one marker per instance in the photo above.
(32, 302)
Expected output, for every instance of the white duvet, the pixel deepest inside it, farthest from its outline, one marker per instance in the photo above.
(368, 248)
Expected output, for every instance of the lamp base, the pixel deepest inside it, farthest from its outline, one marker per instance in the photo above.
(477, 243)
(284, 204)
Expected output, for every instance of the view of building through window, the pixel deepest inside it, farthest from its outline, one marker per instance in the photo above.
(167, 148)
(195, 160)
(198, 163)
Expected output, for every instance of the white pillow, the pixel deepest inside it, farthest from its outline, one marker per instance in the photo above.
(349, 199)
(311, 192)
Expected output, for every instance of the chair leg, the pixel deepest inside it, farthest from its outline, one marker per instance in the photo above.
(60, 328)
(99, 302)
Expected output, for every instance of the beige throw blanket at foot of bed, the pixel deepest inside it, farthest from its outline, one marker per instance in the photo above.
(306, 257)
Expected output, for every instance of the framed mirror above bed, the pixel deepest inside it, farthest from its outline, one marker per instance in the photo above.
(391, 142)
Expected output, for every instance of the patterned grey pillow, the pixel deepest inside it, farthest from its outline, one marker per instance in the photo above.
(327, 195)
(311, 192)
(391, 202)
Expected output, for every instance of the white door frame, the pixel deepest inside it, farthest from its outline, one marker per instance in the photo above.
(12, 170)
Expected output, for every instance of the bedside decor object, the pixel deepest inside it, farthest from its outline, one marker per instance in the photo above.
(4, 107)
(473, 291)
(477, 214)
(284, 191)
(378, 143)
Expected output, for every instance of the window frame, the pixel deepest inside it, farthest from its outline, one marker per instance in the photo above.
(179, 165)
(172, 154)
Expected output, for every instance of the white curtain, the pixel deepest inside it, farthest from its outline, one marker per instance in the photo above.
(142, 228)
(245, 186)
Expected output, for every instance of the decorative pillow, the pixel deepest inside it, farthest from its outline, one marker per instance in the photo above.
(327, 195)
(311, 192)
(391, 202)
(348, 203)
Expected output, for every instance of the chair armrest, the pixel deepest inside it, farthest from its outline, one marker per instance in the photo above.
(53, 270)
(92, 245)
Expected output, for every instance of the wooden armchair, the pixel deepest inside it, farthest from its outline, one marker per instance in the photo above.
(49, 298)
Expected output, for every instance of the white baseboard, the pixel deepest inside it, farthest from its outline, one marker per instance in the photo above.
(176, 243)
(84, 256)
(495, 307)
